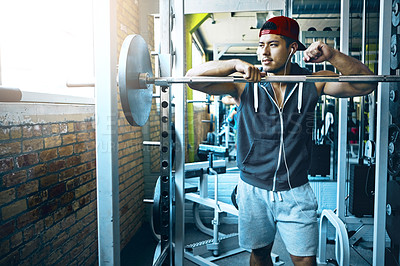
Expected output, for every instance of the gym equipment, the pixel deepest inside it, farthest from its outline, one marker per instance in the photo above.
(396, 13)
(192, 170)
(220, 245)
(136, 80)
(320, 160)
(393, 222)
(215, 150)
(203, 150)
(156, 217)
(361, 194)
(143, 79)
(210, 138)
(342, 247)
(133, 60)
(394, 101)
(393, 211)
(321, 149)
(394, 150)
(395, 52)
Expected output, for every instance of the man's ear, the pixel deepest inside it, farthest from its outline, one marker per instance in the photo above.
(294, 47)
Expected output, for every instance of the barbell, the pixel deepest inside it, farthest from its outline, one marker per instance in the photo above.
(136, 79)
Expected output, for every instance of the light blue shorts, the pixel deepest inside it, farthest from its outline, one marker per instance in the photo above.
(293, 213)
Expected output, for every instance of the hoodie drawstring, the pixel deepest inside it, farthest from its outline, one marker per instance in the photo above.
(255, 86)
(300, 97)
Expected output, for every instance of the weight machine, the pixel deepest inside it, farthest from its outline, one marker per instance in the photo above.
(138, 83)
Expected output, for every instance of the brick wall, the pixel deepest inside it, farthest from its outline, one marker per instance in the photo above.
(131, 187)
(48, 192)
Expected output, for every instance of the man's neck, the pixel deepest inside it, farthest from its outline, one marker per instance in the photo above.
(281, 72)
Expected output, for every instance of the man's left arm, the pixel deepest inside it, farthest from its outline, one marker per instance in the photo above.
(319, 52)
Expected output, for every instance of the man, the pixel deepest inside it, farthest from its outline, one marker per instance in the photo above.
(231, 118)
(274, 138)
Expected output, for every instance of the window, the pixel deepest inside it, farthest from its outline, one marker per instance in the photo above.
(45, 43)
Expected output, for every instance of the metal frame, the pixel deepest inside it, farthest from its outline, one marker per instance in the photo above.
(217, 55)
(214, 6)
(216, 117)
(225, 207)
(342, 246)
(363, 44)
(180, 146)
(202, 198)
(381, 173)
(342, 144)
(165, 63)
(319, 34)
(379, 220)
(338, 218)
(167, 183)
(342, 128)
(105, 49)
(205, 252)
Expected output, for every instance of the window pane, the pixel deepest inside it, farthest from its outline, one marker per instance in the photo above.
(44, 43)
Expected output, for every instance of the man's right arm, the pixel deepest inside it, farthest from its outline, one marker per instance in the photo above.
(223, 69)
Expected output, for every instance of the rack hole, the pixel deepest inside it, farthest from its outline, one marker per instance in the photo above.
(164, 164)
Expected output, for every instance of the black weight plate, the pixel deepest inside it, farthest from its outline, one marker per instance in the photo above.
(395, 52)
(394, 100)
(156, 221)
(393, 211)
(394, 150)
(396, 13)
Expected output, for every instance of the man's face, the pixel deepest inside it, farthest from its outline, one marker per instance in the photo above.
(273, 53)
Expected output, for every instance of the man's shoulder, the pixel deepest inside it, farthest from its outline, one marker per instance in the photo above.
(296, 69)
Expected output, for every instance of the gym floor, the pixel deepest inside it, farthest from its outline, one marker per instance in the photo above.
(140, 250)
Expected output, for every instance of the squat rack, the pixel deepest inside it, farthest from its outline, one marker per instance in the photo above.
(107, 160)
